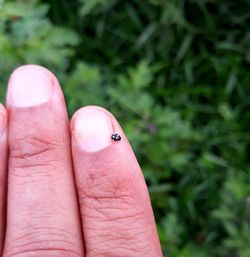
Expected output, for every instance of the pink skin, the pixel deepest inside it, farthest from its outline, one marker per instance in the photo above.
(3, 169)
(98, 208)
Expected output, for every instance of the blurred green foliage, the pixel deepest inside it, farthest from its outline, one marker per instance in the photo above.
(176, 75)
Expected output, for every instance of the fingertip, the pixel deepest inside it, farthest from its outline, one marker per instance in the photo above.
(36, 68)
(30, 85)
(88, 108)
(92, 128)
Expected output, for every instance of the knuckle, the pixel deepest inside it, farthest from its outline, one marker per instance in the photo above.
(111, 198)
(32, 146)
(34, 151)
(114, 216)
(44, 253)
(40, 242)
(118, 244)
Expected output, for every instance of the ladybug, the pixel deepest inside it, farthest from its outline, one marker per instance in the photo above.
(116, 137)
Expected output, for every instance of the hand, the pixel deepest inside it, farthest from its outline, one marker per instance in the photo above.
(71, 192)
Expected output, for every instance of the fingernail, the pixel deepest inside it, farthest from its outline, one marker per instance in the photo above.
(92, 129)
(29, 86)
(3, 121)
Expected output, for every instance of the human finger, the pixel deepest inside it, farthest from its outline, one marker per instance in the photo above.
(117, 218)
(3, 169)
(42, 216)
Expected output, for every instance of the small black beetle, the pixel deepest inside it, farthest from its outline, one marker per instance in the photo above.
(116, 137)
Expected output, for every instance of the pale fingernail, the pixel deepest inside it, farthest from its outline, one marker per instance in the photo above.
(3, 121)
(29, 85)
(92, 129)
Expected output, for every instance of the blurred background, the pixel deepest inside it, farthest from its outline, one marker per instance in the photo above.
(176, 75)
